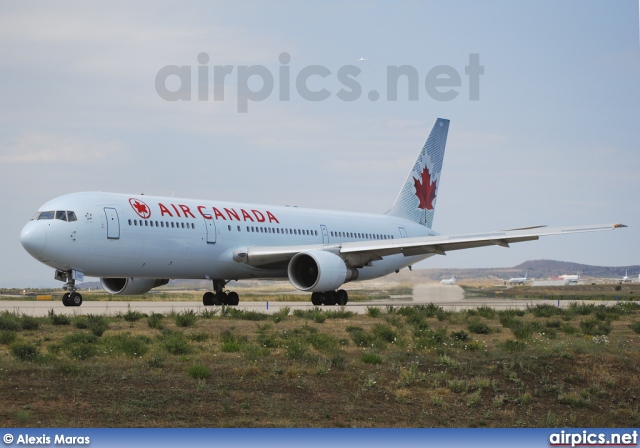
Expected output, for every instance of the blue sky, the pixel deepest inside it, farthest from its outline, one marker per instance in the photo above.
(553, 138)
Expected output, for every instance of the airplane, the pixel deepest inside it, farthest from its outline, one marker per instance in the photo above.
(449, 281)
(626, 278)
(134, 242)
(571, 279)
(519, 280)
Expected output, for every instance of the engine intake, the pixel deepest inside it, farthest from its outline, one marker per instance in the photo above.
(131, 286)
(319, 271)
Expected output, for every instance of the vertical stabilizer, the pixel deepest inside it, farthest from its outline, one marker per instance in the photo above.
(417, 199)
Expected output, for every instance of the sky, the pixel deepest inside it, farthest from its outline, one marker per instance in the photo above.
(548, 134)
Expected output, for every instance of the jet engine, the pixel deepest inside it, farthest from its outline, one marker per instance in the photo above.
(131, 286)
(319, 271)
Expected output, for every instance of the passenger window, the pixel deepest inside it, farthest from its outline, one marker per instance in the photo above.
(151, 223)
(229, 226)
(146, 223)
(129, 222)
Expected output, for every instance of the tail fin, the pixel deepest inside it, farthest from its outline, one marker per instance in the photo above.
(417, 199)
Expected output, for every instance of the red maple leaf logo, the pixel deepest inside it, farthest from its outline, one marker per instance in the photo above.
(140, 208)
(425, 190)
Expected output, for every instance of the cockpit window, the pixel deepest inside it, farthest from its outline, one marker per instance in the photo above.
(62, 215)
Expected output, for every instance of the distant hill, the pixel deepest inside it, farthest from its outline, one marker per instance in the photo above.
(537, 269)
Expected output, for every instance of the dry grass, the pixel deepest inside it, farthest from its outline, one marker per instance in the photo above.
(228, 372)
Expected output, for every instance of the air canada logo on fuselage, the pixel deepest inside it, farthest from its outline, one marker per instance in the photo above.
(140, 208)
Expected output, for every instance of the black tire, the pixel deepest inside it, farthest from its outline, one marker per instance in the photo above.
(316, 298)
(233, 299)
(330, 298)
(75, 299)
(220, 298)
(65, 299)
(342, 297)
(207, 298)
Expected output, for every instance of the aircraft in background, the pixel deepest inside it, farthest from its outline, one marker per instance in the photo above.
(134, 243)
(626, 278)
(571, 279)
(449, 281)
(519, 280)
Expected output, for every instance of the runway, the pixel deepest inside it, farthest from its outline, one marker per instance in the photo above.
(449, 297)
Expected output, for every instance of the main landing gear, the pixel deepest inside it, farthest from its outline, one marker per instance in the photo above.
(339, 297)
(220, 297)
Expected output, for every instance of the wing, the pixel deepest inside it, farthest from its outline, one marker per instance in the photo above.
(360, 253)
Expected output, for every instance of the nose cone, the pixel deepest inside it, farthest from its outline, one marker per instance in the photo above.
(34, 237)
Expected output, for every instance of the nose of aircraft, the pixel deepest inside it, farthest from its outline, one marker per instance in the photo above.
(34, 237)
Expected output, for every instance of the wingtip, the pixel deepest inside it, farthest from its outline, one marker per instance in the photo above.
(618, 226)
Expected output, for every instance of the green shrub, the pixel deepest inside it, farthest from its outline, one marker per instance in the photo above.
(635, 326)
(544, 310)
(595, 327)
(9, 322)
(371, 358)
(362, 338)
(478, 327)
(24, 351)
(235, 313)
(176, 343)
(80, 338)
(82, 351)
(186, 318)
(155, 321)
(384, 332)
(7, 337)
(373, 311)
(486, 312)
(127, 344)
(29, 323)
(460, 335)
(96, 324)
(513, 345)
(431, 338)
(323, 341)
(58, 319)
(199, 372)
(296, 350)
(199, 337)
(133, 316)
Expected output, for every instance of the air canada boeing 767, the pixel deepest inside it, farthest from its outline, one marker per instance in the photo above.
(134, 243)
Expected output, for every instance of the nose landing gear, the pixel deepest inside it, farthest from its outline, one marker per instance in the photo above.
(71, 298)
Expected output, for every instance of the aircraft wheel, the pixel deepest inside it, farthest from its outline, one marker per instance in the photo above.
(233, 298)
(330, 298)
(75, 299)
(342, 297)
(208, 298)
(316, 298)
(220, 298)
(65, 299)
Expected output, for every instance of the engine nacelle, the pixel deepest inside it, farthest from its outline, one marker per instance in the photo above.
(131, 286)
(319, 271)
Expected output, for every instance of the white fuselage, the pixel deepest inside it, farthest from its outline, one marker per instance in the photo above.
(117, 235)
